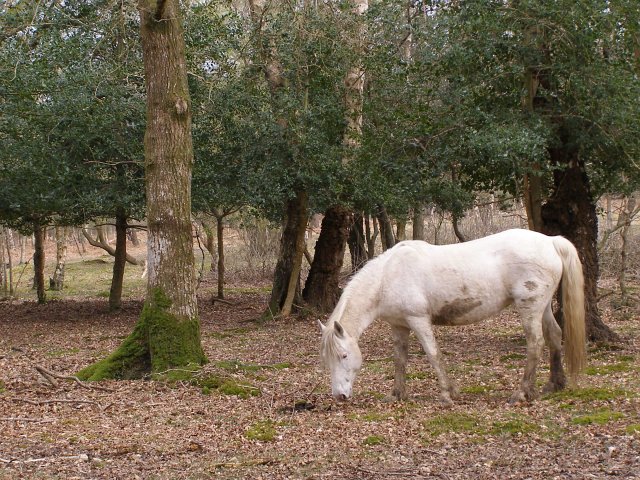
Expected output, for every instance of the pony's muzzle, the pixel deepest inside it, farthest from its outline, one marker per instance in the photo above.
(341, 397)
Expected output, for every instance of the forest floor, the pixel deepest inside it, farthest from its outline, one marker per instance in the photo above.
(261, 407)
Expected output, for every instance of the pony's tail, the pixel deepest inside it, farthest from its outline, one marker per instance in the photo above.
(572, 307)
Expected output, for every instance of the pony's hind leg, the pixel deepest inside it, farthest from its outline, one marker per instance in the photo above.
(401, 354)
(532, 324)
(424, 331)
(553, 337)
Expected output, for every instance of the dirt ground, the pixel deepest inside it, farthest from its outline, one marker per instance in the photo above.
(281, 422)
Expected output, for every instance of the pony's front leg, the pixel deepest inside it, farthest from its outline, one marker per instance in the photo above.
(424, 331)
(400, 356)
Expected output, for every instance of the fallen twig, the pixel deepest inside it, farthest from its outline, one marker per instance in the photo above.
(245, 463)
(26, 419)
(55, 400)
(51, 376)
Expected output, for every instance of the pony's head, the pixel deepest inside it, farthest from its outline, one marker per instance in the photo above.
(340, 353)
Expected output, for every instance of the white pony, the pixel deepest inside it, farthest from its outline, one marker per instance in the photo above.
(415, 285)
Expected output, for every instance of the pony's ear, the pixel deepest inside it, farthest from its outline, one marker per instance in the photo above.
(338, 329)
(322, 327)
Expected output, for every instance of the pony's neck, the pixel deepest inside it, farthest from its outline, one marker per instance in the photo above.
(356, 316)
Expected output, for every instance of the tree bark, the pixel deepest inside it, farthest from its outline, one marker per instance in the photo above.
(322, 289)
(356, 241)
(371, 236)
(456, 228)
(119, 263)
(386, 230)
(418, 223)
(56, 283)
(167, 335)
(293, 287)
(627, 215)
(220, 254)
(571, 212)
(38, 261)
(295, 221)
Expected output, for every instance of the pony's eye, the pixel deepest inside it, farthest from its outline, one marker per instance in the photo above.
(344, 355)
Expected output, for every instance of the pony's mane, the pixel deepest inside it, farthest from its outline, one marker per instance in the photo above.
(329, 347)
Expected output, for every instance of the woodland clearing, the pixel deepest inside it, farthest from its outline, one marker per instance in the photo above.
(261, 407)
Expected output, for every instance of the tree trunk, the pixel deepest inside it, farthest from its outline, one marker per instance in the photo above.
(293, 288)
(626, 218)
(220, 255)
(295, 221)
(418, 223)
(322, 289)
(210, 245)
(456, 228)
(5, 266)
(571, 212)
(371, 236)
(38, 261)
(401, 230)
(7, 263)
(56, 283)
(386, 230)
(356, 241)
(119, 263)
(167, 334)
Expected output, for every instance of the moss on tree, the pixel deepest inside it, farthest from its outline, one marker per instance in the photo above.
(159, 341)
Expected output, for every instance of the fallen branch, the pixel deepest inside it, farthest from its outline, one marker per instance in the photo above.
(55, 400)
(246, 463)
(26, 419)
(51, 376)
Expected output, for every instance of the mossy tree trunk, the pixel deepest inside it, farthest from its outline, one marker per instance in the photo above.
(168, 332)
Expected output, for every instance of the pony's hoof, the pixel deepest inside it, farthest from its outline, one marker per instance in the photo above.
(446, 400)
(517, 398)
(551, 387)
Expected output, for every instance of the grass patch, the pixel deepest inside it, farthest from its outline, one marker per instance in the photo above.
(633, 429)
(237, 366)
(62, 352)
(373, 416)
(85, 278)
(474, 425)
(372, 440)
(477, 389)
(611, 368)
(225, 386)
(3, 386)
(454, 422)
(513, 426)
(262, 431)
(512, 356)
(588, 394)
(600, 417)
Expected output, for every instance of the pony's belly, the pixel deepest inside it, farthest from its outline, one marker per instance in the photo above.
(465, 311)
